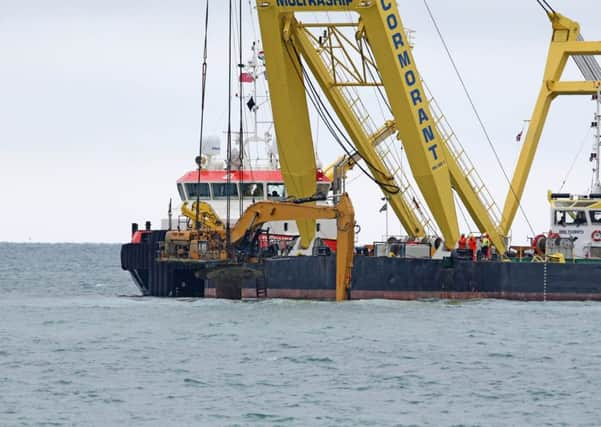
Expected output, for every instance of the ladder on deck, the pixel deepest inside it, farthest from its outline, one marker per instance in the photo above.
(389, 151)
(261, 287)
(463, 161)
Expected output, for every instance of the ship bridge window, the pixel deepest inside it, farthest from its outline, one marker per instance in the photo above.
(276, 191)
(180, 190)
(596, 217)
(223, 190)
(253, 190)
(200, 190)
(570, 217)
(323, 187)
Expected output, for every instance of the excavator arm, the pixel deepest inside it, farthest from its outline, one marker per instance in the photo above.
(265, 211)
(566, 42)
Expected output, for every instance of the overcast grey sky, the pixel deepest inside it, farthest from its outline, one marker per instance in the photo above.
(99, 107)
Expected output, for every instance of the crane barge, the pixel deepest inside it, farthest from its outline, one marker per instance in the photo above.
(305, 60)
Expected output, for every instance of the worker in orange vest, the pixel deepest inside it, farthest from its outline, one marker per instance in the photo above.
(462, 242)
(473, 245)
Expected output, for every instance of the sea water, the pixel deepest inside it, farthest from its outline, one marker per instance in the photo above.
(79, 347)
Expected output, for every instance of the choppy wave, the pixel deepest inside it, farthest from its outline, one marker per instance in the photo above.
(75, 352)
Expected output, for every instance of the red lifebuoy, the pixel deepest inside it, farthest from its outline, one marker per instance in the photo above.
(596, 236)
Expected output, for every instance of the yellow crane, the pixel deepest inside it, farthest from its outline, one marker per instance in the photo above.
(380, 43)
(566, 42)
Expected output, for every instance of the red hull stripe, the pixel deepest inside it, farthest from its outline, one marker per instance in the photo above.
(327, 294)
(274, 176)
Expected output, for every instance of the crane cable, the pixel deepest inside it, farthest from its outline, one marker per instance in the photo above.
(371, 74)
(546, 6)
(467, 222)
(477, 114)
(202, 113)
(571, 168)
(228, 181)
(333, 127)
(327, 118)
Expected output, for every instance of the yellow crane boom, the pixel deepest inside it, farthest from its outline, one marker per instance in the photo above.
(285, 40)
(297, 163)
(402, 83)
(288, 43)
(565, 42)
(364, 143)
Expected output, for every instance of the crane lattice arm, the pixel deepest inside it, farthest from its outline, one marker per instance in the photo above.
(288, 42)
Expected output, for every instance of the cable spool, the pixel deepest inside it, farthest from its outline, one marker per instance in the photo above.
(539, 244)
(596, 236)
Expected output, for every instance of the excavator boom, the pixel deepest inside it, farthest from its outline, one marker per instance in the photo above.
(265, 211)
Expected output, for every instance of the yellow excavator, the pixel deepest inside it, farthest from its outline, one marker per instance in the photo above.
(208, 241)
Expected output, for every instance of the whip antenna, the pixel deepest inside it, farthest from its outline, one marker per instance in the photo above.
(228, 181)
(241, 140)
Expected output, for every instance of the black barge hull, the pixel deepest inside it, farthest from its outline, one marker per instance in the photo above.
(313, 277)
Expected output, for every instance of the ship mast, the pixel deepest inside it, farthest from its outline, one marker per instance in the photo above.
(241, 109)
(254, 94)
(252, 71)
(596, 187)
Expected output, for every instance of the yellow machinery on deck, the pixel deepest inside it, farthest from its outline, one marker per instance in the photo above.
(208, 242)
(206, 216)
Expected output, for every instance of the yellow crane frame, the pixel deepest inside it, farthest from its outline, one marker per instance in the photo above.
(287, 43)
(564, 44)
